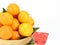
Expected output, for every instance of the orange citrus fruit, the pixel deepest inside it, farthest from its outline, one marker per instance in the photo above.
(15, 24)
(5, 32)
(13, 9)
(25, 29)
(0, 24)
(6, 18)
(24, 17)
(15, 35)
(30, 21)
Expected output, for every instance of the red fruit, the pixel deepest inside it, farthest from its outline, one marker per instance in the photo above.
(40, 38)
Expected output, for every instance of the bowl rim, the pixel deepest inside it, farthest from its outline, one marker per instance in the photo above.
(18, 39)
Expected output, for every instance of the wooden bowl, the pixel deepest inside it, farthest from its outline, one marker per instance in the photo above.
(15, 42)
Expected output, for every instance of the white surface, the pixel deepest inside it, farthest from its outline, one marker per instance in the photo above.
(44, 14)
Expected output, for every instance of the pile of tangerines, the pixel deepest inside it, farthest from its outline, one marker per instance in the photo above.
(15, 23)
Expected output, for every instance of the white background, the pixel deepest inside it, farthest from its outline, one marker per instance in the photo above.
(45, 15)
